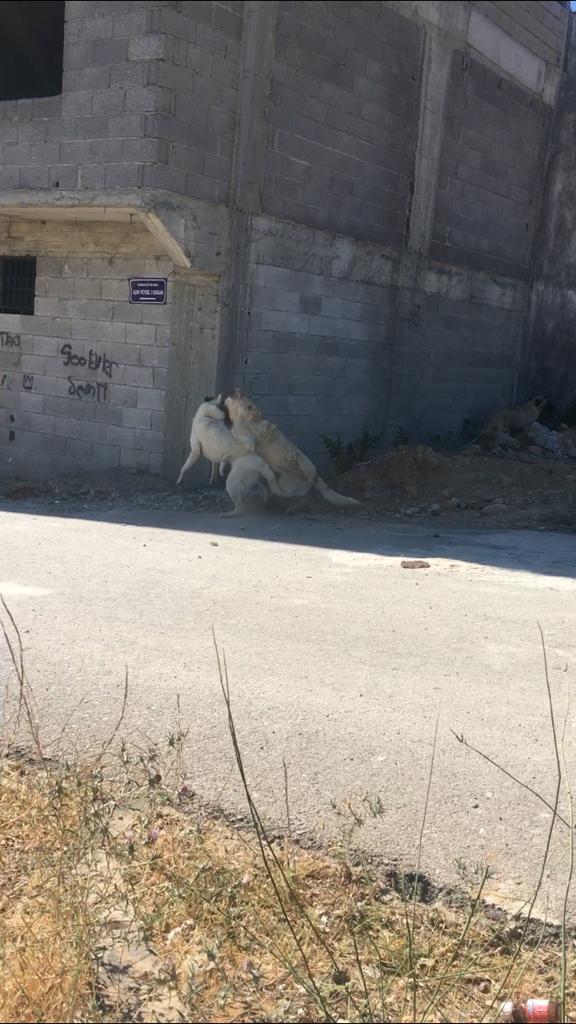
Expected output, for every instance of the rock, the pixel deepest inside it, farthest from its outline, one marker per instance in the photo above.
(434, 509)
(415, 563)
(494, 508)
(545, 438)
(451, 504)
(527, 456)
(504, 440)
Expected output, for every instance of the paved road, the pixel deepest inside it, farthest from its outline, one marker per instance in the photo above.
(340, 662)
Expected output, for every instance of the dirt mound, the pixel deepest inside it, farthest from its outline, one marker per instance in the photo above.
(514, 488)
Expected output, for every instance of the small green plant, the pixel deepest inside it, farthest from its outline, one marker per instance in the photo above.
(400, 438)
(345, 454)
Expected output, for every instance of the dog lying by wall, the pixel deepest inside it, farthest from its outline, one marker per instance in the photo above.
(512, 422)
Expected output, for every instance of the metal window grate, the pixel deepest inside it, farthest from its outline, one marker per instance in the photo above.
(17, 284)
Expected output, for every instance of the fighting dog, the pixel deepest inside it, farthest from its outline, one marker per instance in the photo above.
(296, 474)
(250, 481)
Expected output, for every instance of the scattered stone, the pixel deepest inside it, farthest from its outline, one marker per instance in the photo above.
(494, 508)
(415, 563)
(545, 438)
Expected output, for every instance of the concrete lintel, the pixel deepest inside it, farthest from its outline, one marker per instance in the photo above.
(95, 209)
(161, 233)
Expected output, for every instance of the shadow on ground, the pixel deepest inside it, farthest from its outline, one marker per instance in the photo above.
(531, 551)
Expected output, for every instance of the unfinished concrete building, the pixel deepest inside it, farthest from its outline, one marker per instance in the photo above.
(336, 205)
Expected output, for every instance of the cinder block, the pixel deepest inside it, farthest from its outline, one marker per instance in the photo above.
(91, 78)
(141, 334)
(151, 398)
(141, 419)
(45, 346)
(134, 376)
(133, 23)
(99, 331)
(99, 27)
(150, 47)
(151, 355)
(91, 177)
(109, 101)
(132, 459)
(149, 98)
(77, 103)
(107, 51)
(90, 309)
(10, 177)
(33, 177)
(122, 395)
(130, 75)
(30, 401)
(155, 463)
(125, 126)
(79, 450)
(160, 377)
(122, 175)
(149, 440)
(105, 456)
(158, 420)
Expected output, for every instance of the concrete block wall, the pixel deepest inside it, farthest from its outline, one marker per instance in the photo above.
(198, 76)
(491, 171)
(149, 100)
(83, 381)
(549, 354)
(456, 353)
(317, 331)
(93, 135)
(343, 118)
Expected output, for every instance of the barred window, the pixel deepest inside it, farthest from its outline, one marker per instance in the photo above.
(17, 284)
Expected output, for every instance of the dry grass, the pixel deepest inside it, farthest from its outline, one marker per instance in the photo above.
(74, 847)
(121, 901)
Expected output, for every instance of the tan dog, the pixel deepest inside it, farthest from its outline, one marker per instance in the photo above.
(296, 474)
(250, 480)
(516, 420)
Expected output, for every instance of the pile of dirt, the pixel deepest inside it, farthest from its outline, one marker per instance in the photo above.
(511, 488)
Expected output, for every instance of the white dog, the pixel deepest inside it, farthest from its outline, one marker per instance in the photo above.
(250, 480)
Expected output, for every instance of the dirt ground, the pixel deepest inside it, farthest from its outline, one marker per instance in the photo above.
(472, 487)
(513, 489)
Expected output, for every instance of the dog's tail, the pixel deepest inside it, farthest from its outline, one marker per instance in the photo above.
(332, 496)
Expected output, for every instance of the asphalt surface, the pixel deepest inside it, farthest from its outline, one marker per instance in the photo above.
(340, 660)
